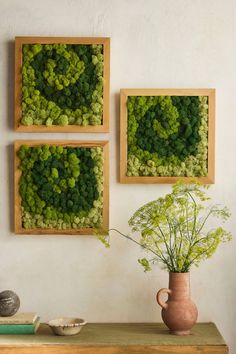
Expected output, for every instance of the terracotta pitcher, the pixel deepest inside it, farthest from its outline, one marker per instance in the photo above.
(179, 313)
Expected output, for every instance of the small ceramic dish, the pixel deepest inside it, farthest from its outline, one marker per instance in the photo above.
(66, 326)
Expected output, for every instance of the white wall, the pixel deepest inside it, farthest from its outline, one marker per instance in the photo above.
(155, 43)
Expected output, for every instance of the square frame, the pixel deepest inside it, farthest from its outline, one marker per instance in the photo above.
(65, 143)
(125, 93)
(104, 127)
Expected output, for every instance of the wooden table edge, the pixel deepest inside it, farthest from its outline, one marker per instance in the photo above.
(113, 349)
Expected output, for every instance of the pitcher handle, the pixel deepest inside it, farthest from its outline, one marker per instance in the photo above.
(164, 305)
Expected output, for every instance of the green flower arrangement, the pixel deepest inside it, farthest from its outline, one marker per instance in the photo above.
(62, 84)
(61, 187)
(167, 136)
(175, 228)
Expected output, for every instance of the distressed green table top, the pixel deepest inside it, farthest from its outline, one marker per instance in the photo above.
(107, 334)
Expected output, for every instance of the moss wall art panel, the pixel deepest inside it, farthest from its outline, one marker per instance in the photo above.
(61, 187)
(62, 84)
(167, 134)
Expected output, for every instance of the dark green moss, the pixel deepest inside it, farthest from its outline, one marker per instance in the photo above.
(181, 143)
(64, 180)
(74, 95)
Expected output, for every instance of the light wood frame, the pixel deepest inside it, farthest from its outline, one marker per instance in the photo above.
(104, 127)
(124, 93)
(65, 143)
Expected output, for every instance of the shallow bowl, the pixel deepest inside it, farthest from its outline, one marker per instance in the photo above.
(66, 326)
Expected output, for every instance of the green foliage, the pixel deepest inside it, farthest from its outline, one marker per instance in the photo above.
(62, 84)
(175, 229)
(61, 187)
(167, 136)
(63, 120)
(170, 127)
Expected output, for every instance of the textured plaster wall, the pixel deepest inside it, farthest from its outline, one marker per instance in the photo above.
(155, 43)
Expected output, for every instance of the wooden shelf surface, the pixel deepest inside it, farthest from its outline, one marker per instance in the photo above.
(114, 338)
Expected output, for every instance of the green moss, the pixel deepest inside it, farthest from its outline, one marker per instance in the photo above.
(61, 187)
(61, 83)
(167, 136)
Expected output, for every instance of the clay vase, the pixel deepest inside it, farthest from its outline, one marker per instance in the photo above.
(179, 313)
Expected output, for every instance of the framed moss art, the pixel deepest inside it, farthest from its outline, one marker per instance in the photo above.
(61, 187)
(62, 84)
(167, 134)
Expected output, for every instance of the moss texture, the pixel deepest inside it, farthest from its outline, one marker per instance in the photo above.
(62, 84)
(167, 136)
(61, 187)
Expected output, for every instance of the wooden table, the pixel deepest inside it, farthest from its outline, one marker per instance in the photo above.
(108, 338)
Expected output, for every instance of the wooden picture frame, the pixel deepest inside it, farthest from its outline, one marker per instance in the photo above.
(101, 128)
(19, 229)
(210, 160)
